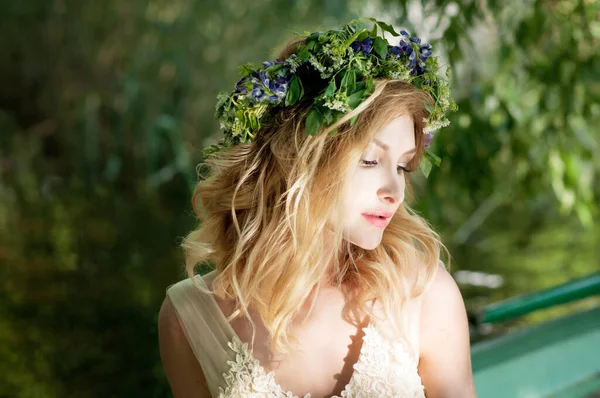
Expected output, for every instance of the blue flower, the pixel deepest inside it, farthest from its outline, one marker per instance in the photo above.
(268, 64)
(269, 83)
(425, 51)
(418, 70)
(428, 138)
(257, 92)
(396, 50)
(280, 86)
(416, 62)
(239, 88)
(264, 78)
(280, 89)
(366, 46)
(412, 59)
(265, 84)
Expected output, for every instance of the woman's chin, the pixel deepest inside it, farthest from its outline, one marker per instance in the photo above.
(367, 244)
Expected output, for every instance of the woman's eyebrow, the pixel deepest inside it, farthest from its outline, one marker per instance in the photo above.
(385, 147)
(380, 144)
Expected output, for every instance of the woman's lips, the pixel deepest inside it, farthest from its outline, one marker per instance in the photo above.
(377, 221)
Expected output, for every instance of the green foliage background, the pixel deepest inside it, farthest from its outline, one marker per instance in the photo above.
(105, 106)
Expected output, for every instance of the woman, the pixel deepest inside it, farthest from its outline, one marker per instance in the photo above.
(326, 284)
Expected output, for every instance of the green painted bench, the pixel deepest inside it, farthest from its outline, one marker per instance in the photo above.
(558, 358)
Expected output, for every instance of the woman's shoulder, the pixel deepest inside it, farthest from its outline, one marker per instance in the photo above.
(445, 343)
(183, 370)
(181, 301)
(443, 312)
(441, 295)
(441, 278)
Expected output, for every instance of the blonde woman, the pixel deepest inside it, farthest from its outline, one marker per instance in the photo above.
(325, 283)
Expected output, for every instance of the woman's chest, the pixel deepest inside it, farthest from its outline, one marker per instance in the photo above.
(338, 355)
(383, 369)
(330, 340)
(322, 365)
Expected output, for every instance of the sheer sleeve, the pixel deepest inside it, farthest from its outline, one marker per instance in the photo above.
(205, 327)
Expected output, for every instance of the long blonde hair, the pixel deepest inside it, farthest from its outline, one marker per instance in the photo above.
(265, 207)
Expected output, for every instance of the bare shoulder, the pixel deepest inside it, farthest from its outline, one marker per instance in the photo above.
(444, 291)
(445, 358)
(181, 366)
(442, 312)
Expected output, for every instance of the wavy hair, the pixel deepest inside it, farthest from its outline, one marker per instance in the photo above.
(269, 214)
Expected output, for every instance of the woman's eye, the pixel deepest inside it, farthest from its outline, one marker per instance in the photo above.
(371, 162)
(374, 162)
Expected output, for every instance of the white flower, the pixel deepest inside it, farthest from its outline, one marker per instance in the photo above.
(400, 75)
(339, 102)
(433, 125)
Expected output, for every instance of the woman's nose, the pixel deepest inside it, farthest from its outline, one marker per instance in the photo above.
(393, 191)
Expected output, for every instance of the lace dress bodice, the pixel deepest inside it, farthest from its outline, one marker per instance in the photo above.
(384, 369)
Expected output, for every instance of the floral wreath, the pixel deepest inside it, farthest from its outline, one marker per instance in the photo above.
(344, 62)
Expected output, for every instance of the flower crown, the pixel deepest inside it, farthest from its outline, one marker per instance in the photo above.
(336, 68)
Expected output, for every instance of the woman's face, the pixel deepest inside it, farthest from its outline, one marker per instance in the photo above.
(377, 183)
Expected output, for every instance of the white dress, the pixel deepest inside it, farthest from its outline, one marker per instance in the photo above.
(384, 369)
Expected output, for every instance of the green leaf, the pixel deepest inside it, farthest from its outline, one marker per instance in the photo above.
(274, 68)
(351, 81)
(330, 89)
(355, 99)
(374, 31)
(254, 124)
(313, 38)
(428, 106)
(305, 53)
(332, 132)
(355, 25)
(293, 94)
(383, 26)
(352, 38)
(436, 159)
(386, 27)
(369, 82)
(381, 46)
(425, 166)
(246, 69)
(344, 83)
(301, 88)
(363, 36)
(328, 116)
(239, 114)
(314, 121)
(353, 120)
(223, 108)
